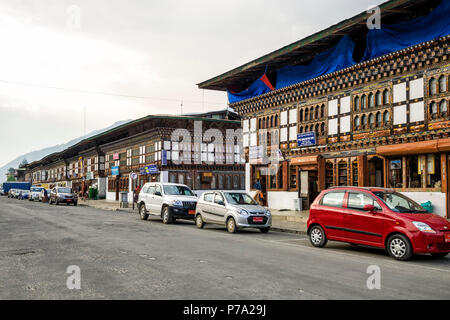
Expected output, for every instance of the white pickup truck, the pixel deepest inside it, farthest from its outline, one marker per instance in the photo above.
(170, 201)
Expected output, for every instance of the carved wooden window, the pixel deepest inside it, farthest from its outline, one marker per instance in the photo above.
(364, 121)
(311, 113)
(322, 111)
(386, 117)
(378, 119)
(363, 102)
(356, 123)
(322, 129)
(378, 98)
(306, 114)
(386, 97)
(371, 120)
(443, 108)
(433, 110)
(356, 104)
(442, 84)
(301, 115)
(371, 100)
(433, 86)
(276, 120)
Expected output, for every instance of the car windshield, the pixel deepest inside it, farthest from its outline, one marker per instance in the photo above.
(65, 190)
(36, 189)
(237, 198)
(173, 190)
(399, 203)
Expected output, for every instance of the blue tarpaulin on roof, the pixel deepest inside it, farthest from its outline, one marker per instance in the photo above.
(259, 87)
(336, 58)
(398, 36)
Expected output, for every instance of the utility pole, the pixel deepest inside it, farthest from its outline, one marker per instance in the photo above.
(181, 107)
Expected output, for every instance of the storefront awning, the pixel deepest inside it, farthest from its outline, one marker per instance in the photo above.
(303, 161)
(421, 147)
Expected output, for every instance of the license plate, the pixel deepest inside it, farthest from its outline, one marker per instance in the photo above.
(68, 200)
(191, 211)
(258, 219)
(447, 237)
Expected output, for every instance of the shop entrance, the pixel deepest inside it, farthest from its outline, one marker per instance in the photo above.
(308, 188)
(376, 172)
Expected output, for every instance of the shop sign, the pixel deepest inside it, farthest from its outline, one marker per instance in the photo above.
(306, 139)
(115, 171)
(396, 164)
(116, 156)
(152, 169)
(133, 176)
(89, 176)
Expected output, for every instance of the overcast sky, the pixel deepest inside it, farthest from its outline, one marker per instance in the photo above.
(156, 49)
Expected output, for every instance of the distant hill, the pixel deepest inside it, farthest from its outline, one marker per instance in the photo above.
(39, 154)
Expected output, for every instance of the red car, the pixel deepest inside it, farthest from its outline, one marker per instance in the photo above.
(377, 217)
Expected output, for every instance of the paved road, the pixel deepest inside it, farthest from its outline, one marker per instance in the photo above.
(121, 257)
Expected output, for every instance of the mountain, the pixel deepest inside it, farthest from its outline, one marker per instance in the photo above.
(39, 154)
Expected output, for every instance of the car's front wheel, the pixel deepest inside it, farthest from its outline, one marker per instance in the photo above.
(167, 216)
(231, 225)
(143, 212)
(399, 247)
(199, 221)
(317, 237)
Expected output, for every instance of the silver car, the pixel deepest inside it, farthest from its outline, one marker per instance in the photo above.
(232, 209)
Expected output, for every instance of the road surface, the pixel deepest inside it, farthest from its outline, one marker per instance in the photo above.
(122, 257)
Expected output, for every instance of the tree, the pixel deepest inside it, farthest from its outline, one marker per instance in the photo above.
(11, 179)
(11, 171)
(23, 163)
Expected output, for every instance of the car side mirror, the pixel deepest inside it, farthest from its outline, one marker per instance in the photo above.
(157, 193)
(369, 208)
(221, 203)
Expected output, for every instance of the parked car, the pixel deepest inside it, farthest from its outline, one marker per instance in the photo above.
(62, 195)
(13, 193)
(170, 201)
(23, 194)
(34, 193)
(2, 192)
(380, 218)
(232, 209)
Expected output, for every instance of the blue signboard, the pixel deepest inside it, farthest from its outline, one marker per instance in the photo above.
(114, 171)
(164, 157)
(152, 169)
(306, 139)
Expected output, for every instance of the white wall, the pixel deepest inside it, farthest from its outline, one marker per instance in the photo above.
(281, 200)
(101, 182)
(247, 177)
(436, 198)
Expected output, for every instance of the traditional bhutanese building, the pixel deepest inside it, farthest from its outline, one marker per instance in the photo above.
(350, 106)
(205, 154)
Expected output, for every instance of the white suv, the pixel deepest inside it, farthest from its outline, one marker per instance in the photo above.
(170, 201)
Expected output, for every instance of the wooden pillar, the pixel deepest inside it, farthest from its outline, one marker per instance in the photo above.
(425, 170)
(404, 178)
(363, 177)
(386, 172)
(285, 168)
(445, 182)
(321, 174)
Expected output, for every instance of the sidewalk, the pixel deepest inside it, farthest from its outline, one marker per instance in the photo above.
(284, 221)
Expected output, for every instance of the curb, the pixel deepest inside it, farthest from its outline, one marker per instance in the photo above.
(301, 232)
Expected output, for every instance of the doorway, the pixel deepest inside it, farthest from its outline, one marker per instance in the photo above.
(376, 172)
